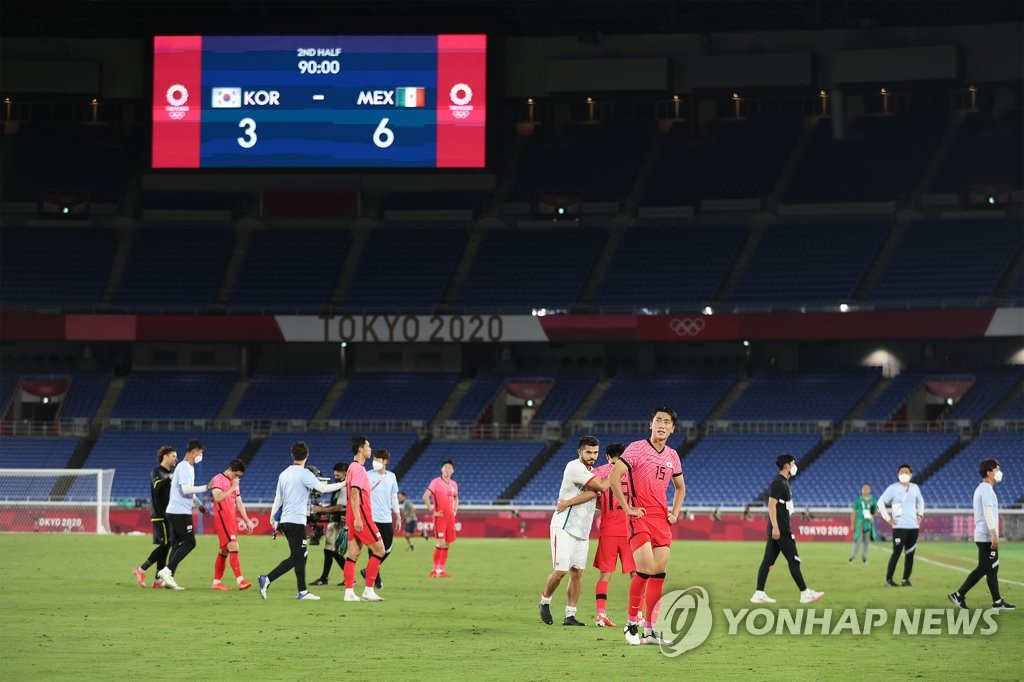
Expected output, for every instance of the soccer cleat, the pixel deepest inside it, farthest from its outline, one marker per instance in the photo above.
(571, 620)
(810, 595)
(442, 574)
(307, 596)
(158, 584)
(319, 582)
(761, 598)
(168, 578)
(370, 595)
(889, 583)
(653, 638)
(433, 574)
(545, 614)
(906, 583)
(632, 634)
(220, 586)
(351, 596)
(244, 585)
(1003, 605)
(140, 576)
(412, 548)
(264, 582)
(958, 600)
(603, 621)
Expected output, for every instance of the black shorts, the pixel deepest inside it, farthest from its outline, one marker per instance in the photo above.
(161, 532)
(410, 526)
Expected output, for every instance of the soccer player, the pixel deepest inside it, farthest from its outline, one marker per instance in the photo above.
(291, 502)
(613, 543)
(986, 537)
(862, 520)
(570, 529)
(335, 525)
(648, 466)
(361, 528)
(228, 508)
(907, 514)
(780, 536)
(179, 511)
(384, 499)
(409, 518)
(442, 499)
(160, 484)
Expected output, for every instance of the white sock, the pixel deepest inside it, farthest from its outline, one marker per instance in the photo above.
(545, 600)
(239, 580)
(570, 611)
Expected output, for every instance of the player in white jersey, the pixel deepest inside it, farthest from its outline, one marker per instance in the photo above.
(570, 529)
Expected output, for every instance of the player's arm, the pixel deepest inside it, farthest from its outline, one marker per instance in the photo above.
(396, 510)
(920, 507)
(220, 494)
(619, 469)
(881, 507)
(322, 487)
(357, 516)
(677, 499)
(455, 505)
(773, 517)
(244, 515)
(585, 496)
(988, 509)
(274, 508)
(428, 500)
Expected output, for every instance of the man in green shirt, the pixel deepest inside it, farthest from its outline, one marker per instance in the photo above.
(862, 521)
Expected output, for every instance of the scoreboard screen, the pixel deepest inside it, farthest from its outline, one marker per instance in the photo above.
(385, 101)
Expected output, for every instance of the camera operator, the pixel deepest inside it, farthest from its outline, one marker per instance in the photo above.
(292, 500)
(336, 536)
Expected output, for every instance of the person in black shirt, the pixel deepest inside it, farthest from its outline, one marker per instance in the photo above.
(335, 526)
(780, 535)
(160, 492)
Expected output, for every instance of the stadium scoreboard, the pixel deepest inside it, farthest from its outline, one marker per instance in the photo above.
(381, 101)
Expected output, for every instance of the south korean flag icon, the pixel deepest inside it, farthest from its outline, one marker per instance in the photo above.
(226, 98)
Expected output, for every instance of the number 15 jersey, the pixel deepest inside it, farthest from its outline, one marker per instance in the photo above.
(649, 474)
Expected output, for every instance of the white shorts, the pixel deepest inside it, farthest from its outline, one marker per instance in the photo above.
(568, 552)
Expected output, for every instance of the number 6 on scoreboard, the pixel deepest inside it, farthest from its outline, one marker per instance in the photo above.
(383, 136)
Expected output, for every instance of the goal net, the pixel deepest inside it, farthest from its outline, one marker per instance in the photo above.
(55, 500)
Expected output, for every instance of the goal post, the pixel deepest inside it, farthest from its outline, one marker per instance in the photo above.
(55, 500)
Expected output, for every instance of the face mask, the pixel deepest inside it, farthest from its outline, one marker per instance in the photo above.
(377, 465)
(199, 458)
(904, 478)
(792, 469)
(998, 476)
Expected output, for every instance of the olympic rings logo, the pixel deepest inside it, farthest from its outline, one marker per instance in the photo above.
(687, 326)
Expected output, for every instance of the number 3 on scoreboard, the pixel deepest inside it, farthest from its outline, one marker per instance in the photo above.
(248, 139)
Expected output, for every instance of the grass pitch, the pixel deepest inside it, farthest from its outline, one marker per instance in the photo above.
(70, 609)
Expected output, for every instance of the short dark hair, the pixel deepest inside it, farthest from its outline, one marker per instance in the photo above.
(163, 452)
(357, 442)
(784, 459)
(382, 454)
(905, 466)
(341, 466)
(986, 466)
(667, 410)
(402, 492)
(589, 441)
(194, 445)
(237, 465)
(300, 451)
(448, 461)
(615, 449)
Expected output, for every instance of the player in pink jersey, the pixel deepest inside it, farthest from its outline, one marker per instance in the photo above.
(648, 466)
(613, 543)
(442, 499)
(227, 509)
(361, 528)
